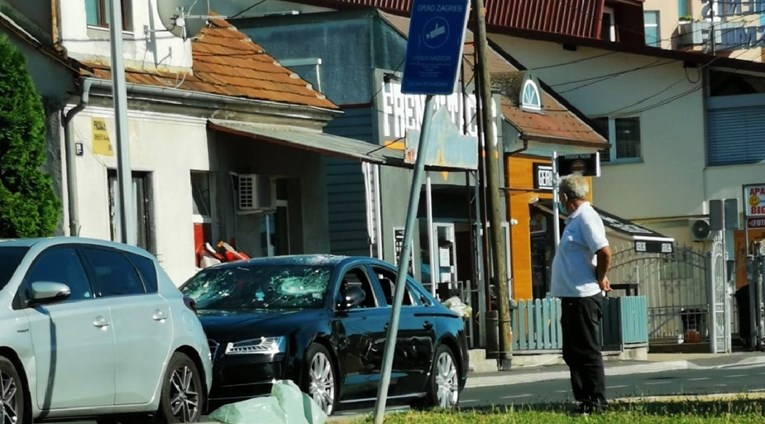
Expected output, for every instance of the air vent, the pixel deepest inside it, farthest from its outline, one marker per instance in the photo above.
(256, 193)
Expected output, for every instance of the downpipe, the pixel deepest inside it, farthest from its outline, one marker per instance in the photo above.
(71, 171)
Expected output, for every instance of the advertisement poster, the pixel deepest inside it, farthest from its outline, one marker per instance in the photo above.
(101, 143)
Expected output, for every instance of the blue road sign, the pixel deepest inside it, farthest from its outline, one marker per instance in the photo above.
(434, 48)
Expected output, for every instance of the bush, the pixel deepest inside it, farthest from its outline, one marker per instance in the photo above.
(28, 205)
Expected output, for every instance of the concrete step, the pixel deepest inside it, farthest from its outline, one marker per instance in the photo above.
(479, 363)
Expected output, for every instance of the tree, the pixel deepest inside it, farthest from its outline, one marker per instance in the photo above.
(28, 205)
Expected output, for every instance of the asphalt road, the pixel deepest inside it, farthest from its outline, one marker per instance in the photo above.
(693, 381)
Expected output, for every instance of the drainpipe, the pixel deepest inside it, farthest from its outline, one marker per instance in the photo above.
(71, 172)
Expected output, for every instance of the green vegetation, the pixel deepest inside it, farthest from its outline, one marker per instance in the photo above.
(28, 205)
(743, 410)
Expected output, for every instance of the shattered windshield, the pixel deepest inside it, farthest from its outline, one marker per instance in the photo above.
(259, 287)
(10, 258)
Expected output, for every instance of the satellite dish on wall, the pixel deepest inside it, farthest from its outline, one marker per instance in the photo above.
(183, 18)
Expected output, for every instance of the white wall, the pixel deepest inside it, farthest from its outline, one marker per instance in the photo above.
(167, 146)
(156, 48)
(669, 180)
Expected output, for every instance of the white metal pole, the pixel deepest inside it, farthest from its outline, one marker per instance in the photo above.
(556, 200)
(119, 94)
(435, 272)
(403, 263)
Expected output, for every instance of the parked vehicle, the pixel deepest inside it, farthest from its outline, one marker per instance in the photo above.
(91, 328)
(322, 322)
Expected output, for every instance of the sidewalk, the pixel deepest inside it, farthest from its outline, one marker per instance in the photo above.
(656, 363)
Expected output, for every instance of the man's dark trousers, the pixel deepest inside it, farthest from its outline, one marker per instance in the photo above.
(580, 322)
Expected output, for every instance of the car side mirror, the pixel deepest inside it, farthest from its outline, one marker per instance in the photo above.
(352, 296)
(46, 291)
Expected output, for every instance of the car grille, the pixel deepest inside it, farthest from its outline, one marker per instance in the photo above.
(213, 347)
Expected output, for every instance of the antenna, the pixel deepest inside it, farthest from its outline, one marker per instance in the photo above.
(183, 18)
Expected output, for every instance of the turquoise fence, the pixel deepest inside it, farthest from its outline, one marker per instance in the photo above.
(536, 323)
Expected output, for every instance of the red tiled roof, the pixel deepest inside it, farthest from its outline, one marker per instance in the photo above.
(556, 122)
(227, 62)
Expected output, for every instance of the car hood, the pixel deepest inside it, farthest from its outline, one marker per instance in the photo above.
(234, 325)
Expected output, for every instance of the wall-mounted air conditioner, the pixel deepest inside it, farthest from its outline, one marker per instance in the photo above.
(699, 229)
(256, 193)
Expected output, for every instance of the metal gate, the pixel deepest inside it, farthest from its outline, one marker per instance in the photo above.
(676, 287)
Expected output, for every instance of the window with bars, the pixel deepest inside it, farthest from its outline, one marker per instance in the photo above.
(97, 13)
(623, 136)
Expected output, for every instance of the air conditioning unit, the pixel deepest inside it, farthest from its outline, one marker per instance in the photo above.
(700, 229)
(256, 193)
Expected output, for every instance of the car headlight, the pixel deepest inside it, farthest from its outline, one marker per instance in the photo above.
(259, 346)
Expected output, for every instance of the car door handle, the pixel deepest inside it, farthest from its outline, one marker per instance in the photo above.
(159, 316)
(427, 325)
(100, 322)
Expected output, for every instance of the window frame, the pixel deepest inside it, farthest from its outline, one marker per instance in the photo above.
(610, 155)
(656, 25)
(102, 15)
(531, 87)
(611, 24)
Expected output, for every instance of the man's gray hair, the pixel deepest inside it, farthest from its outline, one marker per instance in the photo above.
(575, 186)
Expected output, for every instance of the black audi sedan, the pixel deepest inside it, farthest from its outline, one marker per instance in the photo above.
(322, 321)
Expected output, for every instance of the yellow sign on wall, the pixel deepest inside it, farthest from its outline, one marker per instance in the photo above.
(101, 143)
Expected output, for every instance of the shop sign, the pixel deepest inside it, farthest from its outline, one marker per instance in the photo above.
(754, 200)
(543, 177)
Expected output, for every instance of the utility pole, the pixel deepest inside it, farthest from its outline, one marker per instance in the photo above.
(492, 170)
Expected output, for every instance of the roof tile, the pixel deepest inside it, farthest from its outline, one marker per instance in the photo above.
(227, 62)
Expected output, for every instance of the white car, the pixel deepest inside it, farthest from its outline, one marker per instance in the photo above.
(91, 328)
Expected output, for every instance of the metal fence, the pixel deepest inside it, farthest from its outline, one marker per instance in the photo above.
(536, 324)
(676, 287)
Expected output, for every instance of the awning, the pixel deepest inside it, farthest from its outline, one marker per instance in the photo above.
(644, 239)
(312, 140)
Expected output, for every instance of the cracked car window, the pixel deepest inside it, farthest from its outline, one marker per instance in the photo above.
(260, 287)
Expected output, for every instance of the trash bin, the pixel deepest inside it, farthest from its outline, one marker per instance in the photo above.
(694, 324)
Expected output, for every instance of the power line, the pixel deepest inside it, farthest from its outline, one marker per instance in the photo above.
(245, 10)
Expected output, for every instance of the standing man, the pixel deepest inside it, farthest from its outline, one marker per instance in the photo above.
(581, 283)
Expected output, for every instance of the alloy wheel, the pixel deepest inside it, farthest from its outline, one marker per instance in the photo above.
(9, 395)
(447, 387)
(322, 382)
(184, 396)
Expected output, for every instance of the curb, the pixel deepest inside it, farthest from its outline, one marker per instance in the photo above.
(714, 397)
(527, 377)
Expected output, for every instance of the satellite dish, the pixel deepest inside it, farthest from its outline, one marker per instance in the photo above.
(183, 18)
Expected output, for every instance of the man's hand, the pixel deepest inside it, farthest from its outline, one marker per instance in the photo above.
(604, 284)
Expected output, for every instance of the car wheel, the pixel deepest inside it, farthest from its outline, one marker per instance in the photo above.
(443, 384)
(320, 379)
(183, 396)
(12, 394)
